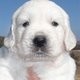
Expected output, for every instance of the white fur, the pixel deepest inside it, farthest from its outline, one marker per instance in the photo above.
(20, 54)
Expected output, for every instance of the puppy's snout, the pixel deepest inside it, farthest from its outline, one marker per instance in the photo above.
(39, 41)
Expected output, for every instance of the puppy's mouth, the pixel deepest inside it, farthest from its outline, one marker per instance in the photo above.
(39, 56)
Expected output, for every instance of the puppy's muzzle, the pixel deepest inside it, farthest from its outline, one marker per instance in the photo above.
(40, 41)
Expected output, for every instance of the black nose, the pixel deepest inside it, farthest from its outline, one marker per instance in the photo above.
(39, 41)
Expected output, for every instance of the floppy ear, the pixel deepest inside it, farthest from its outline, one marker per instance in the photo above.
(70, 40)
(9, 41)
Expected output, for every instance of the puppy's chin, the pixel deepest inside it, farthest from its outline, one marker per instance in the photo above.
(39, 57)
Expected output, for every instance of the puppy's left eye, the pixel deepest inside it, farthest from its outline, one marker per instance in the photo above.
(25, 24)
(54, 23)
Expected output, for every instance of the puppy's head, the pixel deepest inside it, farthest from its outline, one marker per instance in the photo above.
(40, 30)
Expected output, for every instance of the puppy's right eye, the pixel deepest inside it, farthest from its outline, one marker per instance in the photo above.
(54, 23)
(25, 24)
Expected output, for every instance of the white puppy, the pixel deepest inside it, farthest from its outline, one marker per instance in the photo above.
(38, 44)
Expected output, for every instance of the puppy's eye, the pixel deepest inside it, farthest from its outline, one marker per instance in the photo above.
(54, 23)
(25, 24)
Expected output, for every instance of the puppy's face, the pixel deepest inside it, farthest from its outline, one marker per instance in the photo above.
(39, 30)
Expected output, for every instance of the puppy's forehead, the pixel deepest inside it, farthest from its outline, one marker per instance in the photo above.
(48, 8)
